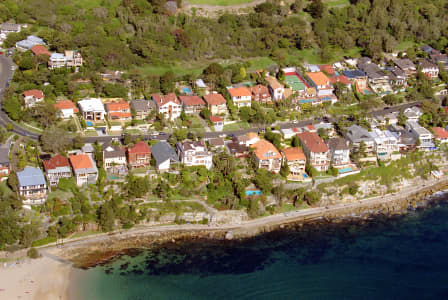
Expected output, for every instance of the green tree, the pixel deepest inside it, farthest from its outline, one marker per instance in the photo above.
(312, 197)
(284, 171)
(295, 142)
(56, 140)
(263, 180)
(106, 217)
(13, 108)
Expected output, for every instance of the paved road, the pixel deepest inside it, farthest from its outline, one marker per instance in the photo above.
(6, 74)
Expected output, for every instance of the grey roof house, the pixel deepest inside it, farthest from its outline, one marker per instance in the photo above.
(357, 135)
(164, 155)
(142, 108)
(114, 159)
(32, 185)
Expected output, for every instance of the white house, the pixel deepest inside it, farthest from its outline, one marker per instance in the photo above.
(276, 89)
(67, 109)
(340, 151)
(194, 153)
(57, 60)
(386, 143)
(168, 105)
(92, 109)
(164, 155)
(241, 96)
(31, 97)
(114, 159)
(423, 135)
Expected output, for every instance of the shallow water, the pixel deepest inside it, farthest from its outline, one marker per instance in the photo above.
(400, 258)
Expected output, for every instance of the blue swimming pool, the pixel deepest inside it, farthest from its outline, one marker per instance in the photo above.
(345, 170)
(305, 176)
(186, 90)
(253, 192)
(89, 123)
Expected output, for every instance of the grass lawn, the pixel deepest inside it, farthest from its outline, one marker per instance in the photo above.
(236, 126)
(337, 3)
(90, 133)
(405, 45)
(133, 131)
(83, 234)
(219, 2)
(260, 63)
(4, 188)
(312, 56)
(344, 110)
(179, 70)
(60, 194)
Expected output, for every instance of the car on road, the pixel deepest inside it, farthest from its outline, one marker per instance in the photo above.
(13, 68)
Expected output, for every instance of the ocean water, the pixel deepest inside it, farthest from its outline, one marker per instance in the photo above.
(403, 257)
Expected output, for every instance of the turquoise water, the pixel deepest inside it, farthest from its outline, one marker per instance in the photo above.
(89, 123)
(253, 192)
(401, 258)
(345, 170)
(186, 90)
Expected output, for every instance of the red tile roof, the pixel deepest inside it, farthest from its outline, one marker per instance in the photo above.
(215, 119)
(35, 93)
(66, 104)
(161, 100)
(313, 142)
(440, 132)
(262, 147)
(214, 99)
(40, 50)
(260, 89)
(240, 92)
(341, 78)
(191, 100)
(327, 69)
(81, 161)
(140, 147)
(446, 109)
(118, 106)
(56, 162)
(294, 153)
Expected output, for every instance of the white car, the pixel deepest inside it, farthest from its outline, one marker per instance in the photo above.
(13, 68)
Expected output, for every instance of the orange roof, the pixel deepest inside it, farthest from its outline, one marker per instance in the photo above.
(66, 104)
(440, 132)
(318, 78)
(118, 106)
(341, 78)
(40, 50)
(55, 162)
(262, 147)
(446, 110)
(240, 92)
(140, 147)
(34, 93)
(80, 161)
(191, 100)
(215, 119)
(214, 99)
(327, 69)
(294, 153)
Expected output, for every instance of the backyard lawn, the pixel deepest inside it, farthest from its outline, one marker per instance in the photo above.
(219, 2)
(236, 126)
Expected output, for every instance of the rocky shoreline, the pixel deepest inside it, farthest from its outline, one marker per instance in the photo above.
(90, 253)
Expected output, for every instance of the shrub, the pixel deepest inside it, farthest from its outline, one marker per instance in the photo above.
(33, 253)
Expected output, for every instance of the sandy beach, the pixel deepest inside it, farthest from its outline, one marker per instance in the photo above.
(42, 278)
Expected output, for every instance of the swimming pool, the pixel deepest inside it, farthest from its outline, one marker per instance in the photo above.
(253, 192)
(186, 90)
(305, 176)
(345, 170)
(89, 123)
